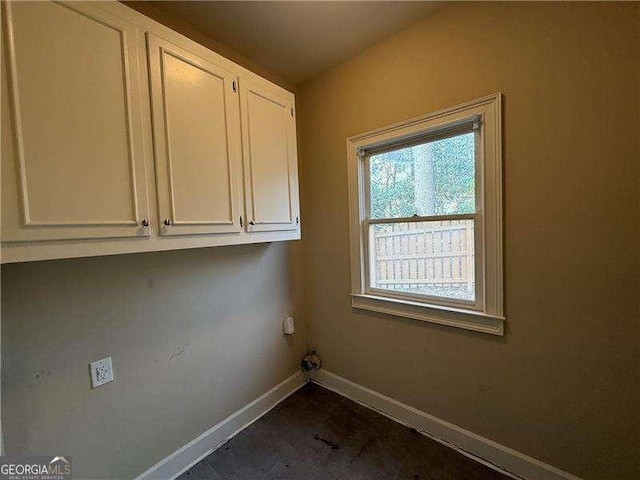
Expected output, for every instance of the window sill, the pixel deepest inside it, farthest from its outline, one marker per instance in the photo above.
(454, 317)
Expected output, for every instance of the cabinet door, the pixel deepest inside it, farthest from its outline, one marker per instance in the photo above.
(73, 164)
(197, 142)
(270, 159)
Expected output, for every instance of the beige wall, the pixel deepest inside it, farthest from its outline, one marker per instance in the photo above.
(194, 335)
(563, 384)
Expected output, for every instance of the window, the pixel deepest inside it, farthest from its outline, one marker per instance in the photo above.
(426, 217)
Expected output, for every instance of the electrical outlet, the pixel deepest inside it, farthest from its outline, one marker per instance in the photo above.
(101, 372)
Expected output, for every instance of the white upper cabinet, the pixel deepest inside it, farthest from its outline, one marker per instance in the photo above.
(120, 135)
(197, 141)
(72, 164)
(270, 160)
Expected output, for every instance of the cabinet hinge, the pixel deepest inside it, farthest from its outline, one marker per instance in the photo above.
(292, 111)
(297, 220)
(241, 221)
(233, 84)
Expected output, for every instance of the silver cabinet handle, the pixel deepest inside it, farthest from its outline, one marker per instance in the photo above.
(167, 222)
(145, 223)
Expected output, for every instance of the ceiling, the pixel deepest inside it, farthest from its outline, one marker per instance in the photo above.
(298, 40)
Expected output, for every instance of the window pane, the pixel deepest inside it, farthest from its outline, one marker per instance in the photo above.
(433, 178)
(425, 258)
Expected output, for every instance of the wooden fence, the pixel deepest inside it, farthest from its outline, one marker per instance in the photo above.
(424, 256)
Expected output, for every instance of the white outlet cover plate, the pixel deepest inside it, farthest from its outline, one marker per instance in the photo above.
(101, 372)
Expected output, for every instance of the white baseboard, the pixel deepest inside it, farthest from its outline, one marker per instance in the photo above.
(499, 457)
(184, 458)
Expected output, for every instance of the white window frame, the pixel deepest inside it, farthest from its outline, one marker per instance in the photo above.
(485, 313)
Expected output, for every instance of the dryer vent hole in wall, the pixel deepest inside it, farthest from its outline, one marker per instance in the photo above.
(311, 361)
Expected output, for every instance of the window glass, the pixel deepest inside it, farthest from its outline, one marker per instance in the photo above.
(432, 178)
(434, 258)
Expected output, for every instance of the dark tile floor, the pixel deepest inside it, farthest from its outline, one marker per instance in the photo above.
(316, 434)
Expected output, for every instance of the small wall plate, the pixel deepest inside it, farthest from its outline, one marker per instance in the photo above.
(101, 372)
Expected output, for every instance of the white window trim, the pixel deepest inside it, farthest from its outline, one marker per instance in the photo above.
(487, 314)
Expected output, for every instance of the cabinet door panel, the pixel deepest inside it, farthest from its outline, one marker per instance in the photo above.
(73, 80)
(271, 194)
(197, 141)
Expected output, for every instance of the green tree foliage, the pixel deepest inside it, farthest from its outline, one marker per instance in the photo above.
(452, 178)
(392, 184)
